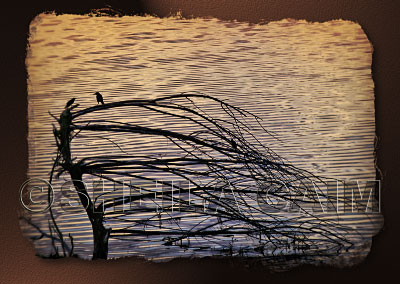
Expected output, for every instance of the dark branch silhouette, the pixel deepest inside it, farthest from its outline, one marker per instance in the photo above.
(218, 161)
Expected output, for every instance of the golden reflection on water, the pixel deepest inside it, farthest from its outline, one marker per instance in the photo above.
(309, 82)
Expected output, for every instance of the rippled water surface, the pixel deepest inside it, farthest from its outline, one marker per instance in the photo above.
(309, 82)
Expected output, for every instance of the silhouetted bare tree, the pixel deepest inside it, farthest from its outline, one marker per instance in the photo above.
(218, 160)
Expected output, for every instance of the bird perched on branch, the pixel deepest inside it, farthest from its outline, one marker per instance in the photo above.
(99, 98)
(70, 102)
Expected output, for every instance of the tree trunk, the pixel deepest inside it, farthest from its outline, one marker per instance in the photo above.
(100, 239)
(100, 233)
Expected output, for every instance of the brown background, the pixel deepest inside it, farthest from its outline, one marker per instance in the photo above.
(18, 264)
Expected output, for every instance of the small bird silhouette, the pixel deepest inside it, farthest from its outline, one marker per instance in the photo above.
(99, 98)
(70, 102)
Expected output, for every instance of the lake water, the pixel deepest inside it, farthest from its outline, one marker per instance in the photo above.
(310, 83)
